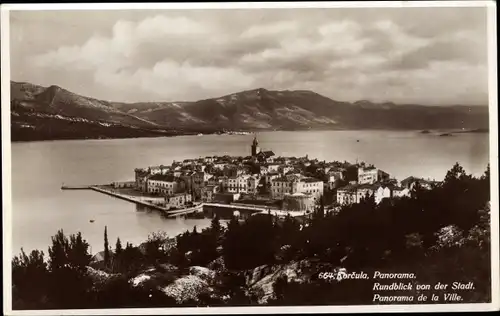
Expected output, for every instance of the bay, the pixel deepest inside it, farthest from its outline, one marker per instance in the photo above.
(40, 207)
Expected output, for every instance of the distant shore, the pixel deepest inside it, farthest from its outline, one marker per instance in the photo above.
(455, 131)
(16, 138)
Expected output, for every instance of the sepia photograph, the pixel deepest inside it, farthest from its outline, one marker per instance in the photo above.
(249, 157)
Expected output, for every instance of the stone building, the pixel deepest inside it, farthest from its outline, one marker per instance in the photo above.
(208, 192)
(164, 184)
(295, 184)
(178, 200)
(371, 175)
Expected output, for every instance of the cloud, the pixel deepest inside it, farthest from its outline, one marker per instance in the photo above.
(380, 54)
(273, 29)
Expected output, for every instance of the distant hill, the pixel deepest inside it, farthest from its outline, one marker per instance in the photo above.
(55, 113)
(39, 113)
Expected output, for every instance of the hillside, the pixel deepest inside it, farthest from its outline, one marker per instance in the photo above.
(297, 110)
(54, 113)
(39, 113)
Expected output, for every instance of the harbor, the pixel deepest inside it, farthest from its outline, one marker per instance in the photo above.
(137, 199)
(140, 199)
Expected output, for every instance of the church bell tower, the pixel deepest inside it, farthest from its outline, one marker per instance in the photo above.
(255, 147)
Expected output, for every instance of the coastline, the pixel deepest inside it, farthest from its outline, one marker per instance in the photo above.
(142, 200)
(430, 132)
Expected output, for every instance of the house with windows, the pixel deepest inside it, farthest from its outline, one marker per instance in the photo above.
(295, 184)
(410, 182)
(280, 186)
(309, 185)
(164, 184)
(355, 192)
(371, 175)
(237, 184)
(209, 159)
(332, 179)
(264, 170)
(177, 200)
(208, 193)
(273, 167)
(382, 192)
(199, 180)
(141, 178)
(270, 177)
(400, 191)
(158, 169)
(188, 179)
(253, 184)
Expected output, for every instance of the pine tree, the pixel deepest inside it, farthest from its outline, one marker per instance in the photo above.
(68, 261)
(456, 173)
(320, 208)
(116, 262)
(58, 251)
(486, 175)
(118, 247)
(29, 279)
(231, 244)
(106, 247)
(215, 226)
(78, 253)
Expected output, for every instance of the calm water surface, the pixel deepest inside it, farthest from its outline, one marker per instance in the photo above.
(40, 208)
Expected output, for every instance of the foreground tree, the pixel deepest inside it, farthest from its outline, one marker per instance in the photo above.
(29, 280)
(155, 251)
(118, 246)
(116, 265)
(68, 261)
(107, 258)
(215, 226)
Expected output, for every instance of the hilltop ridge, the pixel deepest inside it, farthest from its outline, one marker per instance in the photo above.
(39, 113)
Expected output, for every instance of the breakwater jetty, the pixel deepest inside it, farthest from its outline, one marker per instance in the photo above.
(137, 199)
(76, 187)
(149, 202)
(144, 202)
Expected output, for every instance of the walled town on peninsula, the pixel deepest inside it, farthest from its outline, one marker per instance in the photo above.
(258, 183)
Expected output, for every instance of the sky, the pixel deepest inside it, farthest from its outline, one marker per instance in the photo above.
(403, 55)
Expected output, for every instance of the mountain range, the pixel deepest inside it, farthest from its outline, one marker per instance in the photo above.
(44, 113)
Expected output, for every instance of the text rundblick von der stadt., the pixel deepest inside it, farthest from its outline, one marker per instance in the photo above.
(437, 292)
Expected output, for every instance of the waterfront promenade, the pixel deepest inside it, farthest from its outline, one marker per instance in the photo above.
(143, 200)
(257, 209)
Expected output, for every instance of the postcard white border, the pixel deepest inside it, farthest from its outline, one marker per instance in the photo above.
(6, 164)
(493, 115)
(247, 5)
